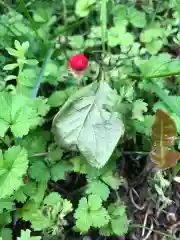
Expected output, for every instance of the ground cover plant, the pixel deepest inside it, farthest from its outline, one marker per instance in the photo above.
(89, 119)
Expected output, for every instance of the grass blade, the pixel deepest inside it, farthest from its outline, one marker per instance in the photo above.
(26, 12)
(39, 79)
(164, 97)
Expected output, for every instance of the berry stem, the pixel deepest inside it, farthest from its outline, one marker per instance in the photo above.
(103, 25)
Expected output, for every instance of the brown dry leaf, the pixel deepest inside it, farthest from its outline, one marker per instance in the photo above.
(163, 137)
(163, 129)
(163, 157)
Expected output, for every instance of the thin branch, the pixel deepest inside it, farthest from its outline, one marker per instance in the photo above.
(40, 154)
(145, 221)
(103, 24)
(149, 232)
(176, 73)
(155, 231)
(134, 152)
(133, 202)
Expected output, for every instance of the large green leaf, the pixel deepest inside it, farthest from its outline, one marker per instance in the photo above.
(18, 114)
(84, 124)
(13, 165)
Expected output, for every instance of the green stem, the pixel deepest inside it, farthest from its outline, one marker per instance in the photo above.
(65, 33)
(19, 72)
(135, 152)
(4, 141)
(117, 196)
(65, 13)
(163, 75)
(155, 231)
(164, 97)
(30, 19)
(72, 26)
(30, 3)
(40, 76)
(103, 25)
(40, 154)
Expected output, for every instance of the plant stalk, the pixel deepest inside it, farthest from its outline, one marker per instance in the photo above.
(155, 231)
(103, 25)
(176, 73)
(26, 12)
(40, 76)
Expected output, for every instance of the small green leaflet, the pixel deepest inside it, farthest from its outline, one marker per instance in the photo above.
(144, 126)
(17, 114)
(19, 53)
(118, 35)
(45, 216)
(61, 206)
(123, 14)
(13, 165)
(26, 235)
(76, 41)
(38, 220)
(42, 14)
(157, 65)
(52, 199)
(139, 107)
(113, 181)
(84, 115)
(58, 170)
(25, 191)
(41, 106)
(99, 188)
(35, 142)
(136, 18)
(90, 213)
(118, 224)
(27, 77)
(6, 234)
(5, 218)
(6, 203)
(83, 7)
(41, 189)
(57, 98)
(39, 171)
(54, 154)
(79, 165)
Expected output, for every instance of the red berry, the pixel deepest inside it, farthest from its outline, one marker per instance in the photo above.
(78, 62)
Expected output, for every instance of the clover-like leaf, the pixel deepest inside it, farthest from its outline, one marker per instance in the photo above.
(83, 7)
(90, 212)
(13, 165)
(16, 113)
(98, 188)
(118, 224)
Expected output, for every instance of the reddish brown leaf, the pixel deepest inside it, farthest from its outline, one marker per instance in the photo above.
(163, 129)
(163, 157)
(163, 137)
